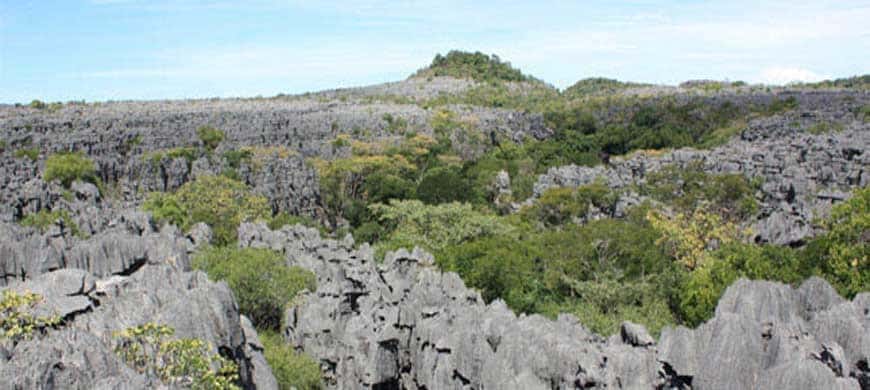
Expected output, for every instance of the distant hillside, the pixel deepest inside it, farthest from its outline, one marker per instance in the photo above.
(476, 66)
(599, 85)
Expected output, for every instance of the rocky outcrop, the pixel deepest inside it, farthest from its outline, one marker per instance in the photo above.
(768, 335)
(803, 173)
(79, 354)
(124, 277)
(404, 324)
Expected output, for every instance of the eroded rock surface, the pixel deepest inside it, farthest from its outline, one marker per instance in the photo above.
(404, 324)
(124, 277)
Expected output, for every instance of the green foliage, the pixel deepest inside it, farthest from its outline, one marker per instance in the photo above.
(434, 227)
(395, 125)
(732, 196)
(560, 205)
(235, 158)
(843, 254)
(210, 137)
(43, 219)
(703, 287)
(825, 128)
(292, 369)
(31, 154)
(38, 104)
(602, 305)
(3, 145)
(443, 185)
(592, 86)
(476, 66)
(260, 279)
(190, 154)
(188, 363)
(778, 106)
(17, 321)
(572, 270)
(218, 201)
(69, 167)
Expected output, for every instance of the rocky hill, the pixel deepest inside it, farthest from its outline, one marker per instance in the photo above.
(561, 195)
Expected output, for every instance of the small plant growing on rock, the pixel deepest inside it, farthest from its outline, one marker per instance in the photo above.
(261, 281)
(31, 154)
(210, 137)
(17, 321)
(43, 219)
(180, 362)
(292, 369)
(69, 167)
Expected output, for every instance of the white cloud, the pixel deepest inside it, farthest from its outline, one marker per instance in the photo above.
(785, 75)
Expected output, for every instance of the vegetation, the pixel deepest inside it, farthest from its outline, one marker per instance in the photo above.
(476, 66)
(69, 167)
(592, 86)
(260, 279)
(31, 154)
(292, 369)
(210, 137)
(188, 363)
(665, 262)
(220, 202)
(43, 219)
(17, 321)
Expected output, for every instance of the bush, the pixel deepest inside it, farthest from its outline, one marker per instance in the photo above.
(69, 167)
(17, 321)
(843, 255)
(477, 66)
(292, 370)
(218, 201)
(434, 227)
(443, 185)
(260, 279)
(43, 219)
(210, 137)
(31, 154)
(560, 205)
(148, 349)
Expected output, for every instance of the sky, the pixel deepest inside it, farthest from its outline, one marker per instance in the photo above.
(99, 50)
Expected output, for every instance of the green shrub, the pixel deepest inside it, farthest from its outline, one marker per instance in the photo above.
(292, 369)
(477, 66)
(190, 154)
(560, 205)
(777, 106)
(260, 279)
(17, 321)
(148, 349)
(37, 104)
(842, 255)
(43, 219)
(31, 154)
(218, 201)
(210, 137)
(235, 158)
(69, 167)
(443, 185)
(434, 227)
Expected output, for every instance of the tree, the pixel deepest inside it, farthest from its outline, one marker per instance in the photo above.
(69, 167)
(218, 201)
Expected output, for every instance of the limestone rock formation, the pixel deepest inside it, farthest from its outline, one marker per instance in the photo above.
(404, 324)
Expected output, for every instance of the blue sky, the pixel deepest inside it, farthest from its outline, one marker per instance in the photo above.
(152, 49)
